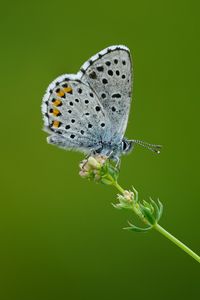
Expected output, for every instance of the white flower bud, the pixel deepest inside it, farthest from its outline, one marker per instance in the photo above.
(128, 195)
(92, 162)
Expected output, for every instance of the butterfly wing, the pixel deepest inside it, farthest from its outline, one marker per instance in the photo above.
(73, 114)
(109, 74)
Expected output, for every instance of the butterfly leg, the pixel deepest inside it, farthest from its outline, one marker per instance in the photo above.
(89, 154)
(117, 161)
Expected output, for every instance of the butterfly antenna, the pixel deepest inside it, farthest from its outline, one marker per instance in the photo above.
(151, 147)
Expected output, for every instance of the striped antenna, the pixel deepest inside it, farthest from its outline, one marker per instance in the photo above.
(151, 147)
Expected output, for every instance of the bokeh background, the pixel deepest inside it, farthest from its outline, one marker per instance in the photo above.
(60, 236)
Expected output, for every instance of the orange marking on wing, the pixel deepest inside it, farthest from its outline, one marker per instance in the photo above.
(56, 124)
(55, 112)
(67, 89)
(60, 93)
(57, 102)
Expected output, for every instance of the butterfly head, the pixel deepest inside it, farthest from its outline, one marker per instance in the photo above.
(127, 146)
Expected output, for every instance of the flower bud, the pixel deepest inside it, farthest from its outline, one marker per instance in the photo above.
(100, 169)
(93, 163)
(83, 173)
(128, 195)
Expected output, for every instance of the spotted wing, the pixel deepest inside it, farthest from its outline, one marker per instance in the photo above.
(109, 74)
(73, 115)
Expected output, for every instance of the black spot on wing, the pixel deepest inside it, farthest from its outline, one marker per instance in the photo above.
(104, 80)
(116, 95)
(100, 68)
(108, 63)
(93, 75)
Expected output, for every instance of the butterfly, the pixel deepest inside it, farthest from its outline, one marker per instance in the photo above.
(88, 111)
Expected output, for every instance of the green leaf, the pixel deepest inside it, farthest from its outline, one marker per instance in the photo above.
(106, 181)
(147, 214)
(156, 209)
(135, 192)
(136, 228)
(113, 172)
(117, 206)
(148, 205)
(160, 209)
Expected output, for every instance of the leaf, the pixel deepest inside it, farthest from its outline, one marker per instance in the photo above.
(135, 194)
(113, 172)
(160, 208)
(136, 228)
(148, 205)
(147, 214)
(156, 209)
(117, 206)
(106, 181)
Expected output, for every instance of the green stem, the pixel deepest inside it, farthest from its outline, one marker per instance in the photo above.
(165, 232)
(176, 241)
(120, 189)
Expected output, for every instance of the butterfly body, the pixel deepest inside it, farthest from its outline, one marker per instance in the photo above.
(109, 149)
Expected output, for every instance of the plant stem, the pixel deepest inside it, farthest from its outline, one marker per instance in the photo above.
(176, 241)
(165, 232)
(120, 189)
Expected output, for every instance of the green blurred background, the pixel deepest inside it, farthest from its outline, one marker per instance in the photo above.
(60, 236)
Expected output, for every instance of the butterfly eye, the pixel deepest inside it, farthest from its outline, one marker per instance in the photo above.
(124, 145)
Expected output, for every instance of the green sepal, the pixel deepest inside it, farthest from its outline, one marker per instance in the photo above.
(136, 228)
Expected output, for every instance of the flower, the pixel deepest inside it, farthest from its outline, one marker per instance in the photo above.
(91, 167)
(99, 168)
(128, 196)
